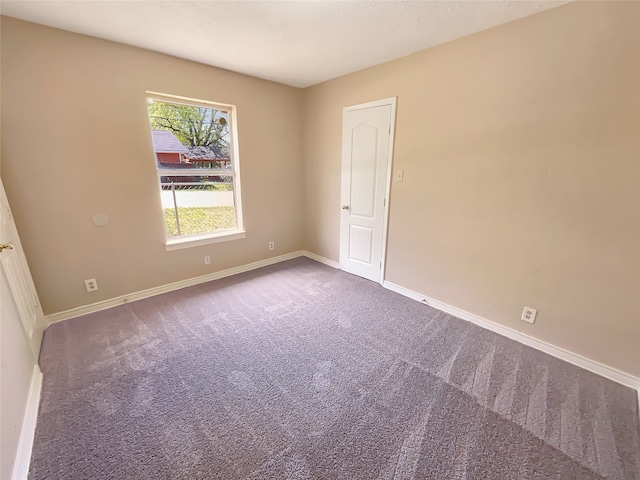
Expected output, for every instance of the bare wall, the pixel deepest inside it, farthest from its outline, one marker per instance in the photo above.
(521, 152)
(76, 141)
(519, 144)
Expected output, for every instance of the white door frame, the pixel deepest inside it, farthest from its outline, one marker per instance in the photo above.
(392, 101)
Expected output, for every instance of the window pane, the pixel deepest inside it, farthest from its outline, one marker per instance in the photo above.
(189, 137)
(195, 166)
(196, 204)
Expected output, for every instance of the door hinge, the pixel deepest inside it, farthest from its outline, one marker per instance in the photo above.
(389, 129)
(384, 202)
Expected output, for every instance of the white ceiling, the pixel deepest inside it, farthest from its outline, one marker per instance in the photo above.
(298, 43)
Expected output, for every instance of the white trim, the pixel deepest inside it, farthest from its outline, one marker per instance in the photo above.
(573, 358)
(320, 259)
(392, 102)
(194, 102)
(172, 243)
(178, 243)
(387, 202)
(372, 104)
(578, 360)
(403, 291)
(28, 430)
(150, 292)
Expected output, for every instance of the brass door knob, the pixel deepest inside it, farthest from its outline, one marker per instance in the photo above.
(345, 207)
(8, 246)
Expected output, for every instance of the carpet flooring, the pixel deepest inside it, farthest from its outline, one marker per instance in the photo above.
(300, 371)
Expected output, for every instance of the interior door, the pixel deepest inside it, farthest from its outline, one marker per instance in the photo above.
(366, 144)
(20, 336)
(15, 272)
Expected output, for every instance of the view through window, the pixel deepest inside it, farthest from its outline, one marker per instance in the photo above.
(196, 167)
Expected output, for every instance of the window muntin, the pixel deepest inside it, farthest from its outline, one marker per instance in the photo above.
(194, 145)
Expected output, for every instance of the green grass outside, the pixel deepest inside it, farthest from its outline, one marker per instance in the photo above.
(217, 187)
(200, 219)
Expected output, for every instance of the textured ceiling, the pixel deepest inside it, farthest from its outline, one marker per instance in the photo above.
(298, 43)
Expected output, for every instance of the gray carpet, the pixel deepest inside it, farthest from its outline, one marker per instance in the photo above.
(300, 371)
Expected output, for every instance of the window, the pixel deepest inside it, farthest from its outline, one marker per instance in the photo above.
(196, 160)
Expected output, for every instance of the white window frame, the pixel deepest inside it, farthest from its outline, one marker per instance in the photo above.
(188, 241)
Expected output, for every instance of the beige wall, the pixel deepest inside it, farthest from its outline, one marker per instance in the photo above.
(76, 141)
(520, 147)
(521, 152)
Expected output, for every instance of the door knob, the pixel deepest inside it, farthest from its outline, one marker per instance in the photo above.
(8, 246)
(345, 207)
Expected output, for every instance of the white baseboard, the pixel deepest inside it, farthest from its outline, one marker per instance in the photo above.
(573, 358)
(28, 431)
(320, 259)
(150, 292)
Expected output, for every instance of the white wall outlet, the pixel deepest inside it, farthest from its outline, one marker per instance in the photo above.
(91, 285)
(207, 259)
(529, 314)
(399, 175)
(272, 245)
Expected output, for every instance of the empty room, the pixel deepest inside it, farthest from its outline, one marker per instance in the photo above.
(320, 239)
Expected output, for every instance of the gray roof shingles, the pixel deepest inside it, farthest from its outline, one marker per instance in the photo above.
(166, 142)
(208, 153)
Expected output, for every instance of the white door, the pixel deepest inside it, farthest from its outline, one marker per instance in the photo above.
(366, 160)
(15, 271)
(21, 328)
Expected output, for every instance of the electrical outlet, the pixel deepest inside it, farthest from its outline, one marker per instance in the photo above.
(207, 259)
(529, 314)
(272, 245)
(91, 285)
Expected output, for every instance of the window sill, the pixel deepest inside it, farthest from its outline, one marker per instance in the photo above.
(199, 240)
